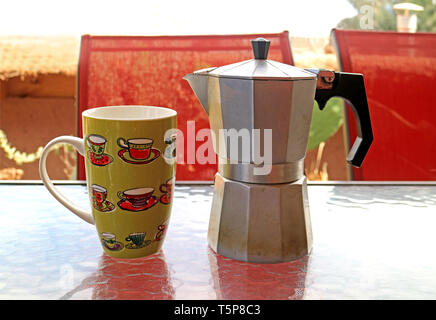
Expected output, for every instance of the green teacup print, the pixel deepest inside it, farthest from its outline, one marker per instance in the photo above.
(96, 144)
(137, 240)
(110, 133)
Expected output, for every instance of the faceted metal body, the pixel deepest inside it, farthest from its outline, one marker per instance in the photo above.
(260, 223)
(284, 107)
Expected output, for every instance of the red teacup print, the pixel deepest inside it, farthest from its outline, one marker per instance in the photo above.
(99, 201)
(137, 150)
(137, 199)
(167, 190)
(161, 231)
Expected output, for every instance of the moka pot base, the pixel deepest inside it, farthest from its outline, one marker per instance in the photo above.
(261, 223)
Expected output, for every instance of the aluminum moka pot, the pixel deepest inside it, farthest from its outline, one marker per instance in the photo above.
(265, 95)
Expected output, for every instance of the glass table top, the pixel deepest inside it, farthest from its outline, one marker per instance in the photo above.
(369, 242)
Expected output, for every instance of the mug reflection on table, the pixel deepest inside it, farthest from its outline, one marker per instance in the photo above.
(113, 278)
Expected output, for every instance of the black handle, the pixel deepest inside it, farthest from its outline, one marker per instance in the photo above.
(351, 87)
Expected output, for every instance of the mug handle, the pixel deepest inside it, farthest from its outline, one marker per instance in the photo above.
(78, 144)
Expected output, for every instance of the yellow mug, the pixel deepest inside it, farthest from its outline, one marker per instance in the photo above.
(124, 190)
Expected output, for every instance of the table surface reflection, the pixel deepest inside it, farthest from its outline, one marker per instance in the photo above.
(370, 242)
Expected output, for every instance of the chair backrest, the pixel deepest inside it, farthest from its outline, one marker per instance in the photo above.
(399, 71)
(140, 70)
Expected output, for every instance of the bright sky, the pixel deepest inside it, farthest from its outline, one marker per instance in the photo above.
(306, 18)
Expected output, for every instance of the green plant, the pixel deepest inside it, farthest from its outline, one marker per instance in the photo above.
(325, 123)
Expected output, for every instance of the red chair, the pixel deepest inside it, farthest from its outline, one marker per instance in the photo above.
(127, 70)
(400, 72)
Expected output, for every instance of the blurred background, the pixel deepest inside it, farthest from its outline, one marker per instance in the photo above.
(39, 54)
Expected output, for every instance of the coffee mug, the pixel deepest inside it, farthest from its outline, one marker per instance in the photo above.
(121, 191)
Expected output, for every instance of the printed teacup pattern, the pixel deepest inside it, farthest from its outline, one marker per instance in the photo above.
(137, 199)
(137, 150)
(170, 152)
(95, 154)
(133, 151)
(167, 190)
(161, 231)
(99, 201)
(135, 240)
(109, 241)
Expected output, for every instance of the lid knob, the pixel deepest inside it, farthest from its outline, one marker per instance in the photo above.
(260, 48)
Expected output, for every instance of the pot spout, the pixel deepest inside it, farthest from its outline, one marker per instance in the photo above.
(199, 84)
